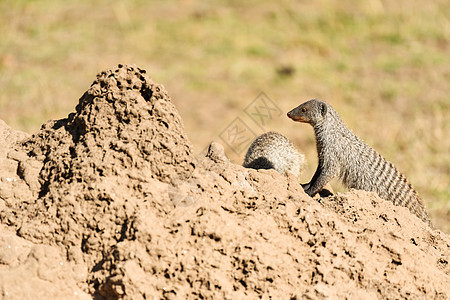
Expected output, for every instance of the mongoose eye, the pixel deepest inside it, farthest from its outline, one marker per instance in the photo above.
(304, 109)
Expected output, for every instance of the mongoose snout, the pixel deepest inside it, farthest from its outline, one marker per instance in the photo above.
(296, 118)
(343, 154)
(309, 112)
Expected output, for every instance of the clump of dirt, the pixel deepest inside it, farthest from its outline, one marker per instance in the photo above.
(87, 172)
(114, 195)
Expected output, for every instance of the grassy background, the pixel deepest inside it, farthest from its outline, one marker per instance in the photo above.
(383, 65)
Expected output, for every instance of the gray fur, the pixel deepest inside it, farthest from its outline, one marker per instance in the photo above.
(272, 150)
(343, 154)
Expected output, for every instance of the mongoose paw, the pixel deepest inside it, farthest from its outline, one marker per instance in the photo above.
(307, 189)
(311, 194)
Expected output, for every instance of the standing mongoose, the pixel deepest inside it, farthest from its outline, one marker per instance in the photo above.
(360, 167)
(272, 150)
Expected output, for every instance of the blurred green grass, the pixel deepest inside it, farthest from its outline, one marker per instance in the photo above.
(383, 65)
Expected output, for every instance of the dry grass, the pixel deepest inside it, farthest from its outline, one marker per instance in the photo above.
(383, 65)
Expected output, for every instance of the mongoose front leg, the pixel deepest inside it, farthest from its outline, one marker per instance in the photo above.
(319, 180)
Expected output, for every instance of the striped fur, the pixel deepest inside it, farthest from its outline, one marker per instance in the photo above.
(343, 154)
(272, 150)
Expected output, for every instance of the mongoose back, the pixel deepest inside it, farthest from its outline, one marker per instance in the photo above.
(272, 150)
(359, 166)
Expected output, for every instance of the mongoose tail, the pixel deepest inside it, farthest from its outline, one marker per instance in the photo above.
(359, 166)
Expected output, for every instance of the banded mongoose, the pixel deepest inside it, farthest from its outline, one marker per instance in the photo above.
(359, 166)
(272, 150)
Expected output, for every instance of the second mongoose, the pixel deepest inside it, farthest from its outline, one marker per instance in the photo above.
(359, 166)
(272, 150)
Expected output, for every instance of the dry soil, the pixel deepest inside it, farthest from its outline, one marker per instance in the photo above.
(110, 202)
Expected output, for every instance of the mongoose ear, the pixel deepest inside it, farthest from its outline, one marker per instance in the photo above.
(323, 109)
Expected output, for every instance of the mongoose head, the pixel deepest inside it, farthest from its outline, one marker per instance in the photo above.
(312, 112)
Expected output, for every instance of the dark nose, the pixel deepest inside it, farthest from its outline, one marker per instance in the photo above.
(289, 114)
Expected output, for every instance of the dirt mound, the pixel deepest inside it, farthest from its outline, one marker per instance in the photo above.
(110, 202)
